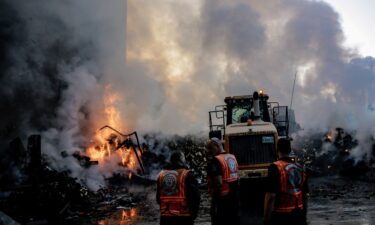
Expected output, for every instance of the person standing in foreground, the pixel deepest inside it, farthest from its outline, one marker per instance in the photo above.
(285, 202)
(177, 193)
(223, 183)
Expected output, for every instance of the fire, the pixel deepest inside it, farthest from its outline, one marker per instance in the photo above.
(98, 153)
(106, 144)
(129, 214)
(111, 112)
(330, 135)
(127, 157)
(104, 148)
(123, 217)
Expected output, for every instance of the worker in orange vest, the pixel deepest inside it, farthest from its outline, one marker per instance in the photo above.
(177, 193)
(285, 200)
(223, 184)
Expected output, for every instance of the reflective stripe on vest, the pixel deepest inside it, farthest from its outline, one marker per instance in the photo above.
(173, 193)
(291, 182)
(229, 167)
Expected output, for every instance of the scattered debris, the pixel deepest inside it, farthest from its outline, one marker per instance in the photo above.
(43, 195)
(47, 196)
(6, 220)
(330, 153)
(192, 146)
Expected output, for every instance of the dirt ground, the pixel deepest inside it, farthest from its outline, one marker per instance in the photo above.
(332, 200)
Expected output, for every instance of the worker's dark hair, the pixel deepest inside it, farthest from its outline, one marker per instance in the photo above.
(176, 157)
(283, 146)
(214, 141)
(255, 95)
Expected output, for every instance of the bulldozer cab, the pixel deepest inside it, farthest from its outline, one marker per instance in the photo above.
(239, 109)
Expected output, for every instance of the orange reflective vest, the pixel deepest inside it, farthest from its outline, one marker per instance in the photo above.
(173, 200)
(229, 168)
(292, 178)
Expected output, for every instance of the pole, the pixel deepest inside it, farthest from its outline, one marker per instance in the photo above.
(294, 84)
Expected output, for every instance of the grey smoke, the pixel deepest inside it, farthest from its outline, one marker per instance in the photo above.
(237, 47)
(182, 58)
(58, 56)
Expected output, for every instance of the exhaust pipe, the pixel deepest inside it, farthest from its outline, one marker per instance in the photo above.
(256, 106)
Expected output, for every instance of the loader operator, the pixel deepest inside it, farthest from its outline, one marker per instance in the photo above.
(223, 184)
(177, 193)
(285, 200)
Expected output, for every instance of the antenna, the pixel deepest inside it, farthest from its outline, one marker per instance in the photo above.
(294, 84)
(291, 101)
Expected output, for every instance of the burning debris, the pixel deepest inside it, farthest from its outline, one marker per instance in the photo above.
(332, 153)
(47, 196)
(115, 142)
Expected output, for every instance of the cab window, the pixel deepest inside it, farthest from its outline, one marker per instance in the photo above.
(240, 113)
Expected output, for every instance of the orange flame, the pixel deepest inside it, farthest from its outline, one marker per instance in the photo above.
(129, 214)
(105, 141)
(128, 158)
(112, 113)
(126, 217)
(330, 135)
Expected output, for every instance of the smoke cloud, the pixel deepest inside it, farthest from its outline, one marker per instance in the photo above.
(204, 51)
(169, 63)
(57, 59)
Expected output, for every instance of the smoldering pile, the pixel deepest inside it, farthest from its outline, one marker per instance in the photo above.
(334, 152)
(191, 145)
(32, 191)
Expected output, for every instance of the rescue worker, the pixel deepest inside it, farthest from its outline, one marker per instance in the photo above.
(285, 200)
(177, 193)
(223, 184)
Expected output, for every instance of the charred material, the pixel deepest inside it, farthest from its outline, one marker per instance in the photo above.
(48, 196)
(331, 153)
(162, 146)
(126, 141)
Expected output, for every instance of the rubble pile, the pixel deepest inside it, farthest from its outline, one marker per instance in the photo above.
(42, 195)
(48, 199)
(32, 192)
(330, 153)
(192, 146)
(194, 150)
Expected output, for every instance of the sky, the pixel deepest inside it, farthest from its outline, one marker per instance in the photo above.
(358, 23)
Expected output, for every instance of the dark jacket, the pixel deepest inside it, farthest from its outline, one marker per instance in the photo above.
(214, 169)
(224, 209)
(274, 186)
